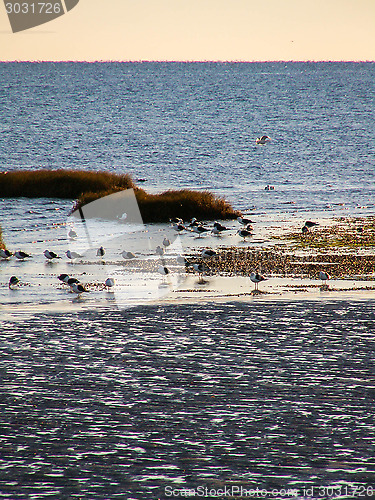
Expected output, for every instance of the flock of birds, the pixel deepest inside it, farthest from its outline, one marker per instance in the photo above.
(179, 226)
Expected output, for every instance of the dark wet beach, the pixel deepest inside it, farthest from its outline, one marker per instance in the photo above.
(125, 404)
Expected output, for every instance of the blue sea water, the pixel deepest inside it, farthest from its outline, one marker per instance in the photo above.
(122, 404)
(195, 124)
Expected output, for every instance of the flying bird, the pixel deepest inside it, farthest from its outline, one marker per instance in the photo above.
(262, 140)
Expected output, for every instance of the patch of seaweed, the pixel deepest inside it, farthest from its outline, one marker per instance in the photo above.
(241, 262)
(347, 233)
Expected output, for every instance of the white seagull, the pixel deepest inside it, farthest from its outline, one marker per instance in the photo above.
(256, 278)
(21, 255)
(14, 281)
(50, 255)
(159, 250)
(72, 234)
(128, 255)
(5, 254)
(73, 255)
(262, 140)
(164, 271)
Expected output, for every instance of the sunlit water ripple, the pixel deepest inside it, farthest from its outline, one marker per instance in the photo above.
(123, 404)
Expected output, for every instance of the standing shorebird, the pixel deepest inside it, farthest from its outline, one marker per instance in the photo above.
(207, 253)
(100, 252)
(22, 255)
(72, 234)
(200, 269)
(159, 251)
(13, 282)
(244, 221)
(164, 271)
(127, 255)
(166, 242)
(310, 224)
(78, 289)
(109, 283)
(324, 277)
(73, 255)
(50, 255)
(256, 278)
(5, 254)
(244, 233)
(200, 230)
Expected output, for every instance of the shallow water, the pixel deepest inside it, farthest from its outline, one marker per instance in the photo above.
(122, 405)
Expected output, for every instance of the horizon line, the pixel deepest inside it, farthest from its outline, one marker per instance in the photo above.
(186, 61)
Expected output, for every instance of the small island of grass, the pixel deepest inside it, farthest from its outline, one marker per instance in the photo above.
(87, 186)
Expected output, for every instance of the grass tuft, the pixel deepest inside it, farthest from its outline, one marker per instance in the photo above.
(86, 187)
(66, 184)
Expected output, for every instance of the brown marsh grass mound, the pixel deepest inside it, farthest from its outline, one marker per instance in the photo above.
(184, 204)
(89, 186)
(69, 184)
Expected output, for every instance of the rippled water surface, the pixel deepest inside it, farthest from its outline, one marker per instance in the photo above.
(195, 124)
(125, 404)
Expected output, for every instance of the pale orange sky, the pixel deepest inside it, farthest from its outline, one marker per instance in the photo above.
(247, 30)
